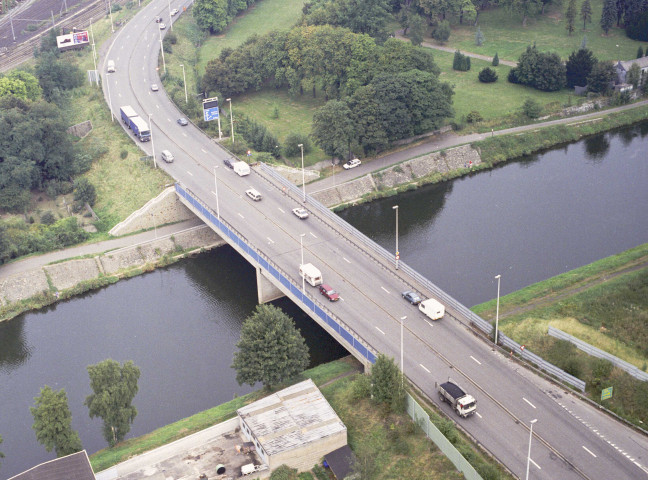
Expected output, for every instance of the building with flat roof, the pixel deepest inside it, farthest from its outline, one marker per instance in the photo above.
(295, 426)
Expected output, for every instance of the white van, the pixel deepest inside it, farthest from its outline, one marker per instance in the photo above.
(242, 168)
(433, 309)
(111, 66)
(167, 156)
(311, 274)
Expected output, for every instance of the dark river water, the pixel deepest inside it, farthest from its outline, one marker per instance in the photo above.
(526, 220)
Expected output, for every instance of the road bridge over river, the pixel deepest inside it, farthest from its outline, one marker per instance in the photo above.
(571, 439)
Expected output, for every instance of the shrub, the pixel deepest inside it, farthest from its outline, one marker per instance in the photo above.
(461, 62)
(47, 218)
(531, 108)
(441, 32)
(487, 75)
(474, 117)
(495, 60)
(512, 76)
(123, 154)
(84, 192)
(290, 147)
(479, 37)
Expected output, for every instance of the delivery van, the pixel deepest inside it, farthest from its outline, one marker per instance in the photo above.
(111, 66)
(242, 168)
(311, 274)
(432, 308)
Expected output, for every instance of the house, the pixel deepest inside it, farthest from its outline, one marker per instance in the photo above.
(295, 426)
(71, 467)
(622, 68)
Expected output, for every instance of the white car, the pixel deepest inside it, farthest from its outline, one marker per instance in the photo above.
(351, 164)
(174, 12)
(154, 87)
(162, 26)
(300, 212)
(253, 194)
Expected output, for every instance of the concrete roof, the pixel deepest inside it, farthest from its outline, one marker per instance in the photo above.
(72, 467)
(642, 62)
(291, 418)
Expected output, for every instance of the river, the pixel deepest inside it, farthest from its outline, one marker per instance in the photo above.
(526, 220)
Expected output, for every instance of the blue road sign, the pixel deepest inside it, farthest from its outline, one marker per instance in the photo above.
(210, 114)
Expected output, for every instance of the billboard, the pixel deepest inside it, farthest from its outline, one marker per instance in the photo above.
(72, 40)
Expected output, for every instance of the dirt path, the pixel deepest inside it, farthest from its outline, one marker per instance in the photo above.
(580, 287)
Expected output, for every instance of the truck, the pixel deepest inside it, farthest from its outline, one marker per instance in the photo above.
(127, 113)
(241, 168)
(311, 274)
(140, 128)
(462, 403)
(432, 308)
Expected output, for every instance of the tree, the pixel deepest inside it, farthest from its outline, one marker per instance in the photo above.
(525, 8)
(418, 25)
(586, 13)
(637, 28)
(53, 422)
(633, 76)
(441, 32)
(542, 70)
(640, 52)
(531, 108)
(609, 14)
(84, 192)
(57, 75)
(601, 78)
(114, 388)
(333, 129)
(270, 350)
(495, 62)
(461, 62)
(387, 380)
(479, 37)
(570, 17)
(578, 67)
(487, 75)
(211, 15)
(367, 113)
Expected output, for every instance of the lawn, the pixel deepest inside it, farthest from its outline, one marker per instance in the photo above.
(505, 35)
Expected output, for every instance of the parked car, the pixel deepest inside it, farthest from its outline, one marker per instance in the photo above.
(183, 122)
(351, 164)
(162, 26)
(300, 212)
(174, 12)
(329, 293)
(154, 87)
(253, 194)
(229, 162)
(411, 297)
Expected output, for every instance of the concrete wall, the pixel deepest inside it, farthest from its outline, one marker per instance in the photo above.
(305, 457)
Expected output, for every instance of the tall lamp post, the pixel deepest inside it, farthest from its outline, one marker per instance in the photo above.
(301, 145)
(162, 50)
(497, 308)
(152, 142)
(529, 454)
(395, 207)
(184, 81)
(231, 118)
(216, 192)
(402, 366)
(301, 245)
(170, 17)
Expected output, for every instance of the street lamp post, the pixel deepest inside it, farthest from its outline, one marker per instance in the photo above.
(184, 81)
(529, 454)
(301, 245)
(301, 145)
(94, 52)
(162, 50)
(497, 308)
(402, 365)
(152, 143)
(216, 192)
(170, 17)
(231, 118)
(112, 25)
(395, 207)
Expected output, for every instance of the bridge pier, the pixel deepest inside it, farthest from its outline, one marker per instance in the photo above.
(266, 290)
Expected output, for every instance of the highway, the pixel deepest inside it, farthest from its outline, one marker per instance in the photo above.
(570, 438)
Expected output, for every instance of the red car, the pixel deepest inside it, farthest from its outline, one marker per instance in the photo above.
(328, 292)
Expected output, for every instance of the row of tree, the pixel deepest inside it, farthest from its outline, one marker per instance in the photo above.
(632, 14)
(215, 15)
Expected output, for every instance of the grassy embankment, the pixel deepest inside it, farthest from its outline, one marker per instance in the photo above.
(604, 304)
(390, 446)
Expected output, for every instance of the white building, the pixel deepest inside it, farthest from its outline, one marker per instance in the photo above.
(295, 426)
(622, 68)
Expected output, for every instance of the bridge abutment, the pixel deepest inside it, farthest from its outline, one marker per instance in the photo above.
(266, 290)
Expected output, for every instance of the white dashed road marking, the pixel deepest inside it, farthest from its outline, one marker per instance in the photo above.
(528, 402)
(423, 367)
(380, 330)
(589, 451)
(478, 362)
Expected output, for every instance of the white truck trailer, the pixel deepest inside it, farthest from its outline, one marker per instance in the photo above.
(241, 168)
(311, 274)
(432, 308)
(462, 403)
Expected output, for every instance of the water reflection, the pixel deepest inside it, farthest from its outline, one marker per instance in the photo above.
(596, 148)
(14, 349)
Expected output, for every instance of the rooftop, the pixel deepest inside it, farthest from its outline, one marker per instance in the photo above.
(71, 467)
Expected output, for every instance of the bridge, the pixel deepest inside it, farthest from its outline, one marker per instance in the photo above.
(371, 316)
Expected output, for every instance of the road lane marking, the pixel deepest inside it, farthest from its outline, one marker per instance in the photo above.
(190, 173)
(379, 330)
(279, 208)
(385, 289)
(214, 194)
(429, 323)
(589, 451)
(203, 150)
(270, 240)
(528, 402)
(345, 260)
(477, 413)
(184, 134)
(241, 215)
(314, 236)
(423, 367)
(478, 362)
(537, 466)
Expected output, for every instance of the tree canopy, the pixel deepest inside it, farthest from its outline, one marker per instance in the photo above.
(542, 70)
(578, 67)
(360, 16)
(215, 15)
(53, 422)
(21, 84)
(270, 350)
(114, 387)
(386, 381)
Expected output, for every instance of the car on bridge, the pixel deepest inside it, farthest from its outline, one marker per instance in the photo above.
(154, 87)
(158, 19)
(412, 297)
(253, 194)
(329, 293)
(351, 164)
(300, 212)
(174, 12)
(229, 162)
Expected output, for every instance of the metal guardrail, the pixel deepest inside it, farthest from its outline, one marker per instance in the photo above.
(442, 296)
(595, 352)
(346, 332)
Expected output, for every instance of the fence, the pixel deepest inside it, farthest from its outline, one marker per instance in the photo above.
(361, 239)
(595, 352)
(422, 419)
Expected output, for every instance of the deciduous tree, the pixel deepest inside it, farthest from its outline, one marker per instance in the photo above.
(270, 350)
(531, 108)
(114, 387)
(601, 78)
(53, 422)
(387, 380)
(586, 13)
(633, 77)
(524, 8)
(417, 25)
(333, 128)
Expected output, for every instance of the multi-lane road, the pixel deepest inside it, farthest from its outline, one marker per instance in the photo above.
(571, 439)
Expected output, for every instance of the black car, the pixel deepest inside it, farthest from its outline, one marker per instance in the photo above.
(411, 297)
(183, 122)
(158, 19)
(229, 162)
